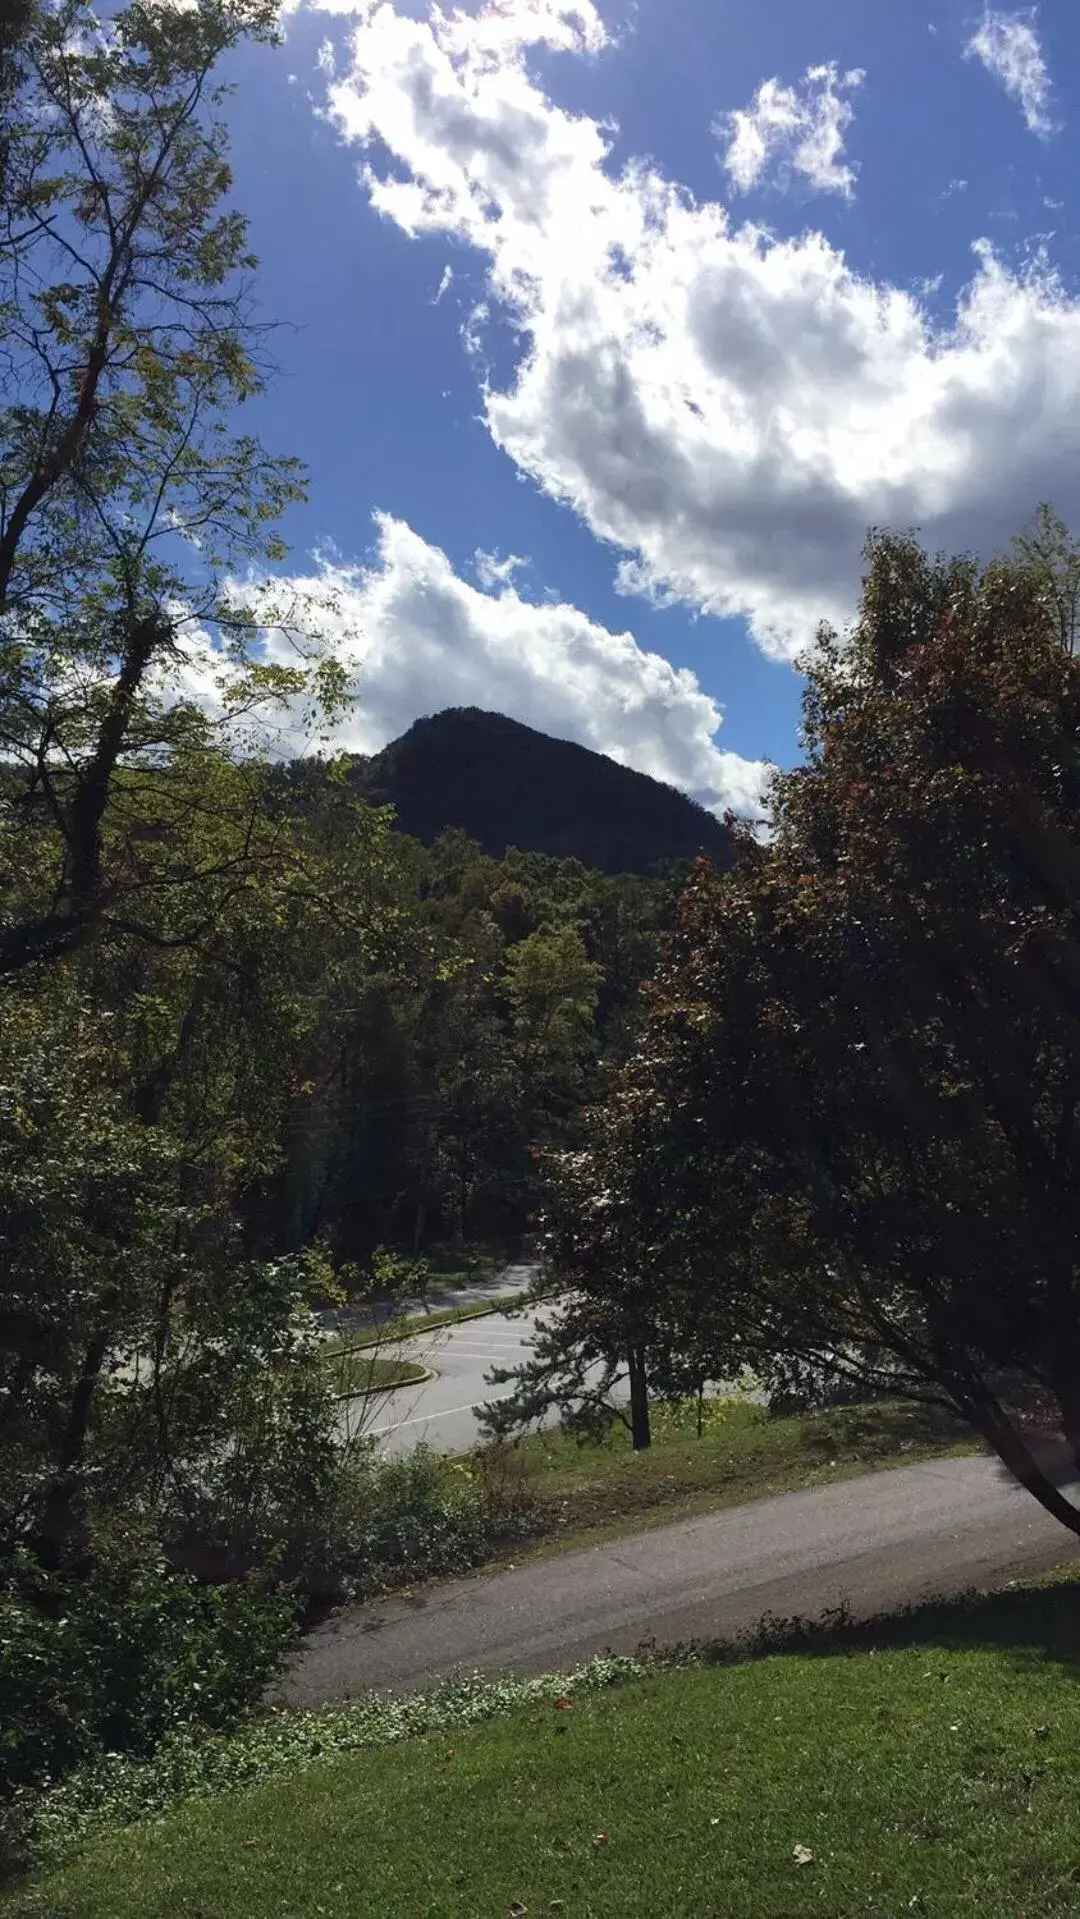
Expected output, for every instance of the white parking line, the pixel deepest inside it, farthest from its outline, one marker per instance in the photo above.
(463, 1352)
(428, 1419)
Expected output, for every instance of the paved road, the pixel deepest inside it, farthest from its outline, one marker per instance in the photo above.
(515, 1278)
(440, 1412)
(872, 1543)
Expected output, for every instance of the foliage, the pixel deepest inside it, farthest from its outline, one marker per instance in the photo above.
(609, 1316)
(845, 1148)
(253, 1040)
(117, 1658)
(154, 915)
(504, 989)
(551, 985)
(422, 1516)
(125, 498)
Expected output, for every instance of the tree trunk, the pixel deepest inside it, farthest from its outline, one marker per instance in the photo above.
(463, 1205)
(639, 1400)
(83, 889)
(420, 1216)
(1068, 1399)
(60, 1518)
(1014, 1453)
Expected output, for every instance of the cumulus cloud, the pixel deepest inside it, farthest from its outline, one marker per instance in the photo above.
(1008, 46)
(728, 408)
(493, 571)
(798, 129)
(416, 638)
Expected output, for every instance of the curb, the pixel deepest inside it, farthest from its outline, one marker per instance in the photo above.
(446, 1326)
(391, 1386)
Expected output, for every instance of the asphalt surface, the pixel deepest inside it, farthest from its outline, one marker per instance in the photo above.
(870, 1543)
(440, 1411)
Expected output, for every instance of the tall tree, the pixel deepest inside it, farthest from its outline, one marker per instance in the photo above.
(125, 498)
(137, 842)
(849, 1132)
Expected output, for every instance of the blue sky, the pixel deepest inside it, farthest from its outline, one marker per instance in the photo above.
(667, 301)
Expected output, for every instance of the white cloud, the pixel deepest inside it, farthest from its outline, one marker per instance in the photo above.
(491, 571)
(799, 129)
(1008, 46)
(728, 408)
(419, 638)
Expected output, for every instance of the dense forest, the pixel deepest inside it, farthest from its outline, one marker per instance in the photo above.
(457, 1049)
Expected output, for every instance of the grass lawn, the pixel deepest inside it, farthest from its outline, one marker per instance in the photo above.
(354, 1372)
(932, 1767)
(457, 1266)
(408, 1325)
(586, 1491)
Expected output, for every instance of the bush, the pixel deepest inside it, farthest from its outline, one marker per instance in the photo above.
(127, 1655)
(272, 1496)
(423, 1516)
(114, 1659)
(368, 1525)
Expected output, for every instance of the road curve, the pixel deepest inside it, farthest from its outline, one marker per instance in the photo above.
(872, 1543)
(440, 1412)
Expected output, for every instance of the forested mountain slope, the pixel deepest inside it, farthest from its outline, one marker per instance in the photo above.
(506, 784)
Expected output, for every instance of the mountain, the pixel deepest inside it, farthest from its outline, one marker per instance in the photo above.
(506, 784)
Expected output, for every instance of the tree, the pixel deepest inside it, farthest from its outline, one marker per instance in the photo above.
(848, 1133)
(603, 1328)
(1049, 552)
(145, 1088)
(551, 986)
(139, 839)
(125, 500)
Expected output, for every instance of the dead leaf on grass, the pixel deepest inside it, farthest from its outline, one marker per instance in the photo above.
(802, 1856)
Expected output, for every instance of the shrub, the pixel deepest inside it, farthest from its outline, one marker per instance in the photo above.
(115, 1658)
(271, 1496)
(128, 1655)
(423, 1516)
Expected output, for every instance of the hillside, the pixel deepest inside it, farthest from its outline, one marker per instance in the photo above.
(506, 784)
(927, 1765)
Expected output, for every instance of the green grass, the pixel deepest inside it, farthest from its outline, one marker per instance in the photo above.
(587, 1491)
(457, 1266)
(354, 1372)
(409, 1325)
(929, 1765)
